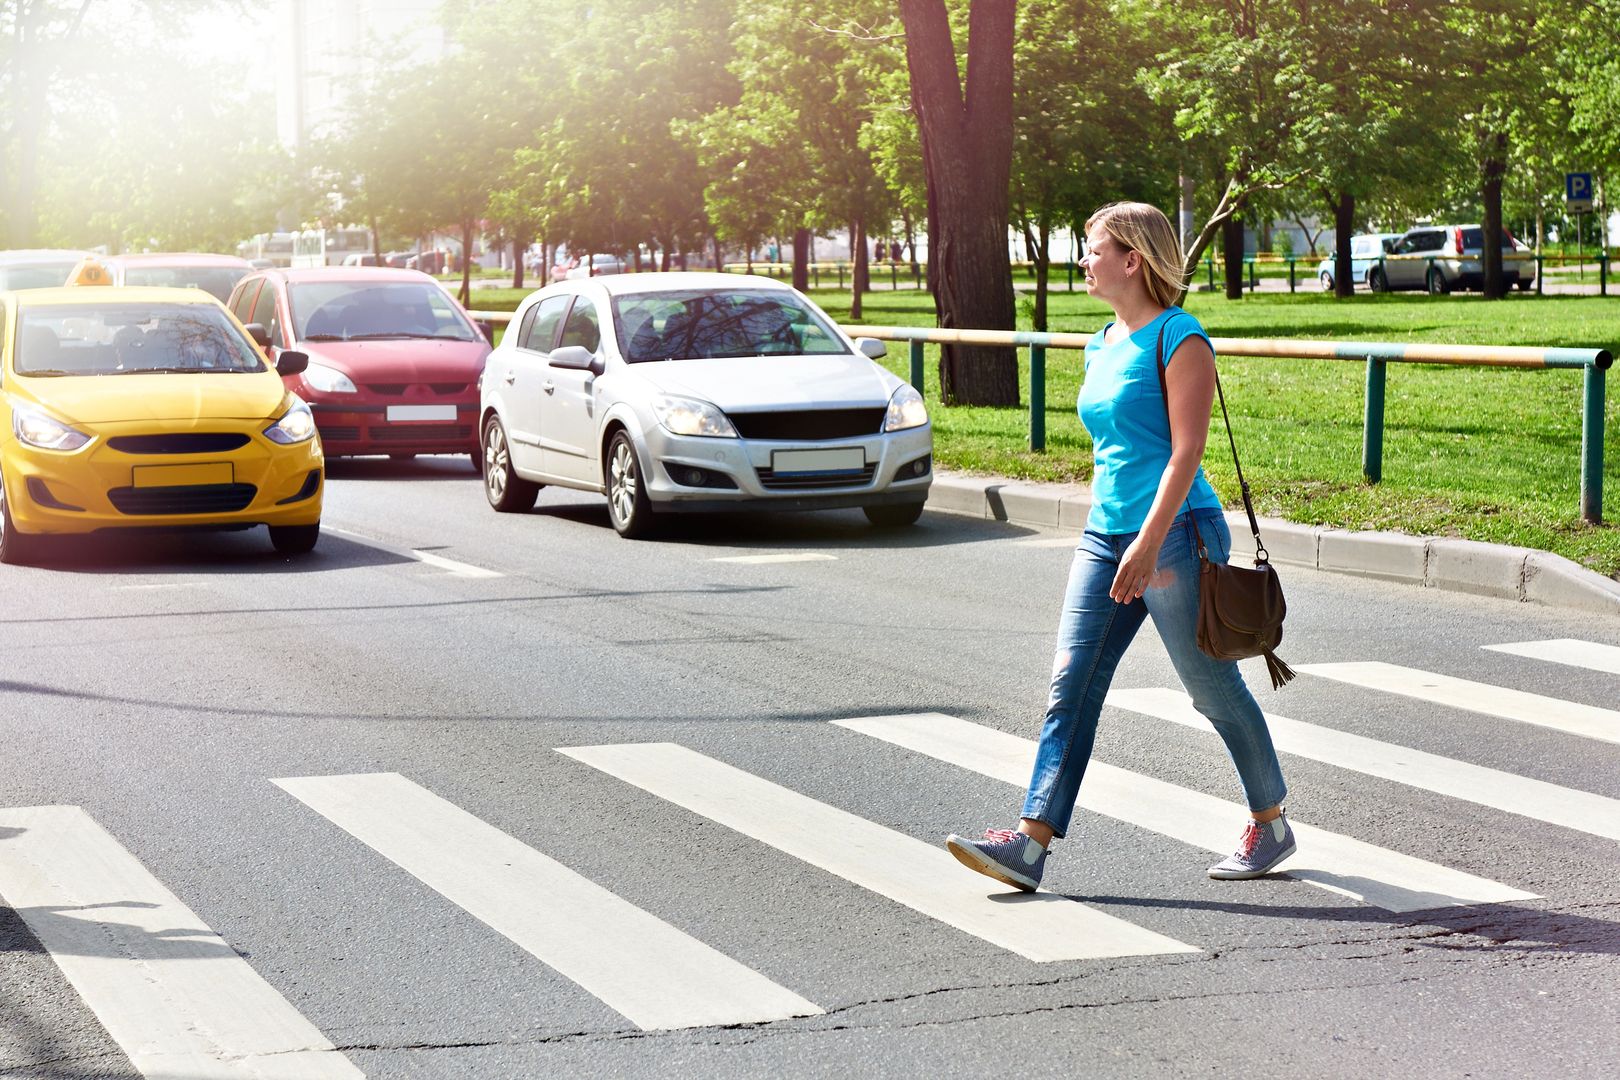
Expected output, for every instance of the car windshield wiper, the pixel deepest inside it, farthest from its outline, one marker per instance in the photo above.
(393, 335)
(48, 373)
(178, 371)
(324, 337)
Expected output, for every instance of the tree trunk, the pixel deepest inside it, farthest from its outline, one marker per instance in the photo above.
(1344, 221)
(801, 259)
(718, 264)
(376, 238)
(1040, 252)
(663, 256)
(966, 136)
(858, 267)
(520, 249)
(1232, 252)
(466, 262)
(1492, 169)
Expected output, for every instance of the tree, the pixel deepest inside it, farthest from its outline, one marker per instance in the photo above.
(966, 130)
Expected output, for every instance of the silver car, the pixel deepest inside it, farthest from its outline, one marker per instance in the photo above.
(1441, 258)
(686, 392)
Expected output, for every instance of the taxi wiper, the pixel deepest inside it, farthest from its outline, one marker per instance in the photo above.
(48, 372)
(174, 371)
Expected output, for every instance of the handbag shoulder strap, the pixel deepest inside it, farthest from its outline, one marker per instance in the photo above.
(1260, 554)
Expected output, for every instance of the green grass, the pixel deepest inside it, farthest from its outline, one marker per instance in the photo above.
(1490, 455)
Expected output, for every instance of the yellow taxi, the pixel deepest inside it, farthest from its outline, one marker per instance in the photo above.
(146, 408)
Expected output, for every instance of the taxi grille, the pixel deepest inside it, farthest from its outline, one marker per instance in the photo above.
(190, 499)
(771, 481)
(179, 442)
(809, 424)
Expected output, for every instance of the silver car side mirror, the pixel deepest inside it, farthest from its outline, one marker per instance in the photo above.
(871, 348)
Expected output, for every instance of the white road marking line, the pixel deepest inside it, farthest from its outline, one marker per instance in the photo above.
(1070, 542)
(450, 566)
(756, 560)
(1536, 799)
(924, 877)
(640, 966)
(174, 996)
(1566, 716)
(1586, 654)
(1341, 864)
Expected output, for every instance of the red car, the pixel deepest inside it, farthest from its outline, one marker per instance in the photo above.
(393, 360)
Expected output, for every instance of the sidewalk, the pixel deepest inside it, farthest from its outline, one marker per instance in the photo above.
(1511, 573)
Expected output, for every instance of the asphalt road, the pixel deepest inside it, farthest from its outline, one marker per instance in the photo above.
(421, 922)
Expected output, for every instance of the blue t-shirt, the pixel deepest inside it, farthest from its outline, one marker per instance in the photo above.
(1123, 408)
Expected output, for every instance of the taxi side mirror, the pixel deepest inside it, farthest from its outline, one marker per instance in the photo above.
(291, 362)
(259, 334)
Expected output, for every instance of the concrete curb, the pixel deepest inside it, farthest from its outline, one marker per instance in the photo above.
(1510, 573)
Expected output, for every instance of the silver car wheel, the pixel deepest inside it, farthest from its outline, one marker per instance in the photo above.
(622, 481)
(496, 462)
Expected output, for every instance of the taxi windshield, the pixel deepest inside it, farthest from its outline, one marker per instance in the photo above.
(702, 324)
(130, 338)
(368, 311)
(217, 281)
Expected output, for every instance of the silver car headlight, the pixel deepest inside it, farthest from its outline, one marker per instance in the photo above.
(296, 425)
(328, 380)
(906, 410)
(689, 416)
(36, 429)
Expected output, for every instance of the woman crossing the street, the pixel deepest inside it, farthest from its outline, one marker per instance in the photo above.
(1146, 399)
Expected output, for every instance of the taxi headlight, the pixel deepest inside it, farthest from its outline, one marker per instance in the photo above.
(328, 380)
(296, 425)
(37, 429)
(906, 410)
(689, 416)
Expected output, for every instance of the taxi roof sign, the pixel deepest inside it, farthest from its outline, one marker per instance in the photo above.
(90, 271)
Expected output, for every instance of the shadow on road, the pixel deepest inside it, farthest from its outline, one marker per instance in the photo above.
(137, 551)
(426, 467)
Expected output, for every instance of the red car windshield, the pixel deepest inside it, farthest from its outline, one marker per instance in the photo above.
(371, 311)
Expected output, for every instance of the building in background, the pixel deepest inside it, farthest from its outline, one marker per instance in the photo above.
(323, 46)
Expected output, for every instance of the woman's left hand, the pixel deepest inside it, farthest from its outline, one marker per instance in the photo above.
(1136, 569)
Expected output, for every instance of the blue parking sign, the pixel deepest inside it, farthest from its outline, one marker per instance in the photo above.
(1578, 190)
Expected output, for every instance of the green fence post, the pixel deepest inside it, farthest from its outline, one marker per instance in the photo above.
(1037, 397)
(1603, 273)
(894, 276)
(1254, 272)
(1290, 275)
(1372, 426)
(840, 275)
(1210, 262)
(917, 365)
(1070, 265)
(1592, 447)
(1539, 274)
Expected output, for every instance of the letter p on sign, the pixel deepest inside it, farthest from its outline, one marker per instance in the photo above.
(1578, 192)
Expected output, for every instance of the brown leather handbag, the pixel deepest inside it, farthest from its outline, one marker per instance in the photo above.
(1240, 609)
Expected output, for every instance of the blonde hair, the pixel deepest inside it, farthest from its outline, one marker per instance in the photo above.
(1143, 228)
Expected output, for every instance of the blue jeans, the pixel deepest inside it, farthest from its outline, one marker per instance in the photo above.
(1093, 635)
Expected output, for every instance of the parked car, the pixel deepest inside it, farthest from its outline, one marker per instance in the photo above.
(599, 265)
(393, 360)
(146, 408)
(215, 275)
(678, 392)
(37, 269)
(360, 258)
(1440, 258)
(1364, 252)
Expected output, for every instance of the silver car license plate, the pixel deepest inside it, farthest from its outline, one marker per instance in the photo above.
(843, 459)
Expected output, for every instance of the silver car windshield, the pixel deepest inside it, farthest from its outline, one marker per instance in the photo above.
(130, 339)
(707, 324)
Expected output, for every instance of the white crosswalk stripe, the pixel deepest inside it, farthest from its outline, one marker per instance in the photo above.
(1585, 654)
(1341, 864)
(171, 993)
(1571, 717)
(1584, 811)
(922, 876)
(651, 973)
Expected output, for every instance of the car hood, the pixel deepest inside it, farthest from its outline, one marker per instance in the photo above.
(404, 360)
(111, 399)
(760, 383)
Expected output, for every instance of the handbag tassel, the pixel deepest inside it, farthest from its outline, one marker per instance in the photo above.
(1279, 671)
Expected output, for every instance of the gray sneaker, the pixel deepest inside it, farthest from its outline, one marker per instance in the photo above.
(1004, 854)
(1260, 849)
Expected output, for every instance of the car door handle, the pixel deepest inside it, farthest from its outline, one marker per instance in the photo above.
(550, 387)
(511, 377)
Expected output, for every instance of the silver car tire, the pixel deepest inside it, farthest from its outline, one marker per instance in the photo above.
(628, 506)
(506, 491)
